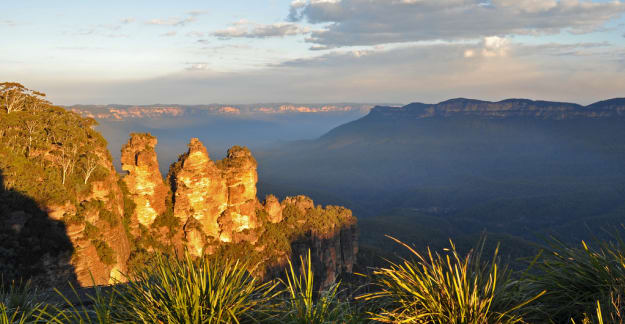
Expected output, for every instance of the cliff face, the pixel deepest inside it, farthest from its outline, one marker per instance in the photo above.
(509, 108)
(65, 214)
(144, 180)
(214, 210)
(239, 170)
(60, 204)
(330, 233)
(200, 195)
(101, 246)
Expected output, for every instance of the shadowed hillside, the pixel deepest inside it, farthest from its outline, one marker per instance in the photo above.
(32, 244)
(522, 168)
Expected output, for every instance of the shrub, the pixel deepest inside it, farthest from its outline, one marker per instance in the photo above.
(19, 303)
(100, 308)
(303, 305)
(105, 253)
(184, 290)
(445, 289)
(576, 279)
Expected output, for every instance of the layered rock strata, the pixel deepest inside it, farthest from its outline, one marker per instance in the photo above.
(144, 180)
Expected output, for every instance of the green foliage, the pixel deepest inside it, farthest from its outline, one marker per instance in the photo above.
(584, 286)
(20, 303)
(91, 232)
(167, 219)
(45, 146)
(102, 309)
(105, 253)
(129, 207)
(445, 289)
(577, 278)
(109, 217)
(192, 291)
(304, 305)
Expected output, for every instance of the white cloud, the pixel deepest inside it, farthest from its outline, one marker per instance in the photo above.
(425, 72)
(195, 33)
(198, 66)
(172, 21)
(371, 22)
(246, 29)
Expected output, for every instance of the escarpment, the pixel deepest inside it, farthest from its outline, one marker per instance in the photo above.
(67, 216)
(61, 208)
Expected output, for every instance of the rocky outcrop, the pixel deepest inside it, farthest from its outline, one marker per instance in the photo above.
(200, 195)
(330, 234)
(220, 197)
(65, 214)
(144, 180)
(218, 211)
(273, 209)
(239, 171)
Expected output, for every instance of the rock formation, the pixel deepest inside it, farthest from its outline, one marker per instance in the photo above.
(239, 170)
(200, 195)
(218, 210)
(144, 180)
(220, 197)
(273, 209)
(90, 226)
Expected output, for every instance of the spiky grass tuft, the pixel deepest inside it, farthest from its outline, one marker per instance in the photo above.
(445, 289)
(303, 304)
(188, 290)
(20, 303)
(577, 278)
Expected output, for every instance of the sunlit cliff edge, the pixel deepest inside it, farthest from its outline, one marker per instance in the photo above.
(67, 215)
(123, 112)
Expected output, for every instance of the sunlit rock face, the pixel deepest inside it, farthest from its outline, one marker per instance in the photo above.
(216, 208)
(144, 180)
(200, 192)
(239, 171)
(273, 209)
(92, 222)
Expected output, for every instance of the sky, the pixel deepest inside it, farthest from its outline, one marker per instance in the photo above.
(314, 51)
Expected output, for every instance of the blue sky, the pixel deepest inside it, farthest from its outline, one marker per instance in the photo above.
(141, 52)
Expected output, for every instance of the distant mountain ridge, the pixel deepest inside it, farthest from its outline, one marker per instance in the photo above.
(132, 112)
(517, 168)
(504, 109)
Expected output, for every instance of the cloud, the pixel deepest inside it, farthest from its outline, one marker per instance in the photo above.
(176, 21)
(423, 72)
(103, 30)
(171, 21)
(197, 66)
(9, 23)
(245, 29)
(492, 46)
(371, 22)
(169, 34)
(195, 33)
